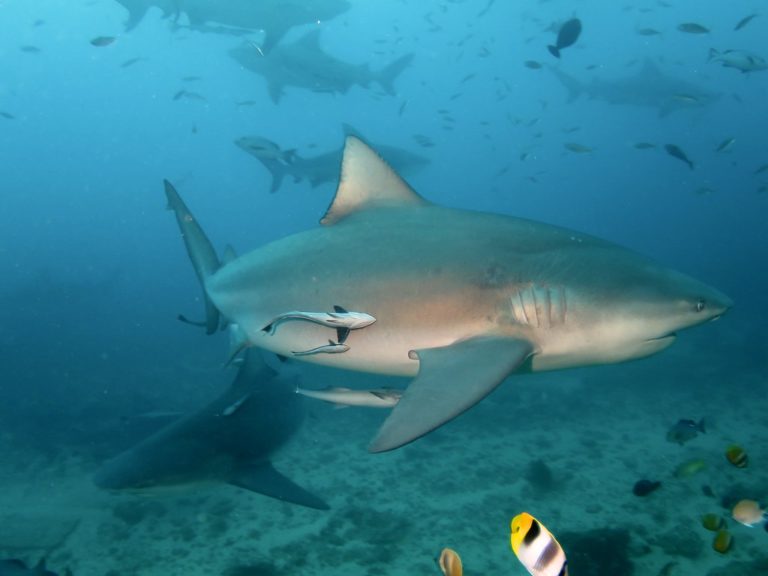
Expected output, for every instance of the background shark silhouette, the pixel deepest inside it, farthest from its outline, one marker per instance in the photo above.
(274, 17)
(229, 440)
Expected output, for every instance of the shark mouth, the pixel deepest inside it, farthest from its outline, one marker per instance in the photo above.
(663, 341)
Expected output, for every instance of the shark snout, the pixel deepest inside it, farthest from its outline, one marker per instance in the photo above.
(714, 304)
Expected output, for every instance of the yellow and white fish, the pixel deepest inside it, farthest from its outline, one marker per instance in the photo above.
(450, 563)
(536, 548)
(749, 513)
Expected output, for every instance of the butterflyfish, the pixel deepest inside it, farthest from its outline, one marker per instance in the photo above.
(536, 548)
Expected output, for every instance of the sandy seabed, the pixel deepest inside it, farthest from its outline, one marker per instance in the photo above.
(566, 447)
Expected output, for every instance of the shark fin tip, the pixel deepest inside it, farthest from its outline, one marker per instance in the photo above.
(367, 181)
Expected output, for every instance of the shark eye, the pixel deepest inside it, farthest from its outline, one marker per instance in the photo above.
(700, 304)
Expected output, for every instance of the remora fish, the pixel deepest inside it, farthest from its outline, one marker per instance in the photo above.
(462, 299)
(373, 398)
(304, 64)
(330, 348)
(230, 440)
(566, 36)
(340, 319)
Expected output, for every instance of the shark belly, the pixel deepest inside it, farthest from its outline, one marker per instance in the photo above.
(409, 317)
(424, 294)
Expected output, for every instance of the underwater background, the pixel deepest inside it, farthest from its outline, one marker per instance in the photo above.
(96, 114)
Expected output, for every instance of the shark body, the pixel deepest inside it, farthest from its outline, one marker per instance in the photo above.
(462, 299)
(230, 440)
(648, 88)
(274, 17)
(304, 64)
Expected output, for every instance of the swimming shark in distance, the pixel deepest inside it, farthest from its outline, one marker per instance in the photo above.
(274, 17)
(649, 88)
(230, 440)
(320, 168)
(304, 64)
(462, 299)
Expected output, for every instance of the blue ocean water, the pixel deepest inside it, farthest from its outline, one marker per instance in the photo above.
(94, 272)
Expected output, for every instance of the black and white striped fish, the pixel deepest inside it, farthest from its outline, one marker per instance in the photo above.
(536, 548)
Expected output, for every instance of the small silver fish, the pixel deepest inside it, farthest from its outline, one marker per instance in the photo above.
(577, 148)
(341, 397)
(725, 145)
(686, 98)
(340, 319)
(330, 348)
(101, 41)
(744, 21)
(677, 152)
(189, 96)
(693, 28)
(685, 430)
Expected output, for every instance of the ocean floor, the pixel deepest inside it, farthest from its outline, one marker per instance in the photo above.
(566, 447)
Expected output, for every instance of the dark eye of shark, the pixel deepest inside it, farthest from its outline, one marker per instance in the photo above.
(700, 304)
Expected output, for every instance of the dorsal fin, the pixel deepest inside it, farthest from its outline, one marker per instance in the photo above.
(367, 181)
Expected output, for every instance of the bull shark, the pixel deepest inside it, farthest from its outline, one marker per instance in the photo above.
(321, 168)
(274, 17)
(648, 88)
(462, 299)
(229, 440)
(304, 64)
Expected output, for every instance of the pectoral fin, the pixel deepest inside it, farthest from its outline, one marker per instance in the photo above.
(451, 380)
(264, 479)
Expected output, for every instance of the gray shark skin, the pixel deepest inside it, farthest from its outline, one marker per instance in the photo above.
(304, 64)
(322, 168)
(462, 299)
(229, 440)
(15, 567)
(648, 88)
(275, 17)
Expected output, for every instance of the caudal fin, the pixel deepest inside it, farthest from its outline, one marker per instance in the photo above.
(573, 86)
(199, 248)
(264, 479)
(389, 74)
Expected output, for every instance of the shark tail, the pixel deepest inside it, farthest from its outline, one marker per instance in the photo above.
(573, 86)
(200, 250)
(387, 76)
(277, 170)
(554, 50)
